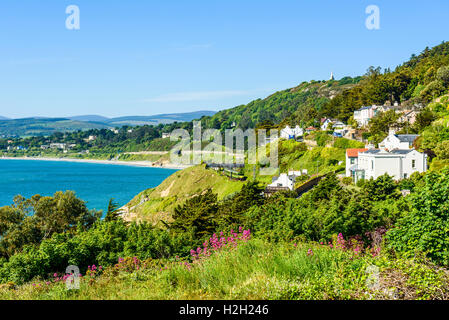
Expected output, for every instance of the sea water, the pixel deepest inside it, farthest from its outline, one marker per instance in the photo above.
(92, 182)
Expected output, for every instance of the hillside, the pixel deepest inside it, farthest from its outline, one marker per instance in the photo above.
(158, 203)
(301, 104)
(415, 82)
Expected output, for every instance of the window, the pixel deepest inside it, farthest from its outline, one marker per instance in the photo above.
(413, 164)
(405, 176)
(372, 164)
(352, 160)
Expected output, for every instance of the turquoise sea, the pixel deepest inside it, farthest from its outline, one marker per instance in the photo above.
(94, 183)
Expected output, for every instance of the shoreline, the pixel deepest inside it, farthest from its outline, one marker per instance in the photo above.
(145, 164)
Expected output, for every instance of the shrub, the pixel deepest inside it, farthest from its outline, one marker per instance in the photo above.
(425, 228)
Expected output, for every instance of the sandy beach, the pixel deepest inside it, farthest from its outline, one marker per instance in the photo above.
(148, 164)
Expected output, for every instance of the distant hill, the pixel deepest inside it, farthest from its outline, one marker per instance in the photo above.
(160, 118)
(3, 118)
(90, 118)
(42, 126)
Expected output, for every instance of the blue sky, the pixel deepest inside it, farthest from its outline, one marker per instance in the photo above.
(150, 57)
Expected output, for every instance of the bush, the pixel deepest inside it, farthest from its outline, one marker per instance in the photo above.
(425, 228)
(102, 245)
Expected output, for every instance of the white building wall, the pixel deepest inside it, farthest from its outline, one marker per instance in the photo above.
(398, 166)
(349, 164)
(420, 161)
(283, 181)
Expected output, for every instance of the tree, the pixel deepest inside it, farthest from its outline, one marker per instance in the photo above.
(443, 75)
(424, 119)
(326, 187)
(442, 150)
(381, 123)
(30, 221)
(232, 210)
(113, 211)
(197, 215)
(425, 228)
(384, 187)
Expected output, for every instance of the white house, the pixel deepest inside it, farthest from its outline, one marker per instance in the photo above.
(352, 156)
(398, 163)
(283, 181)
(294, 173)
(290, 133)
(165, 135)
(58, 145)
(398, 141)
(325, 124)
(365, 114)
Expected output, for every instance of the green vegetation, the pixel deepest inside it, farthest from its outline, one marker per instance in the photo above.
(180, 239)
(420, 80)
(159, 203)
(297, 248)
(300, 105)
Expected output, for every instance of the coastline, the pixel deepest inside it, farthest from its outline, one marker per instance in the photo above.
(146, 164)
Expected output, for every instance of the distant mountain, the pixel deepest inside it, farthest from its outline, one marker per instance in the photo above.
(90, 118)
(159, 118)
(3, 118)
(42, 126)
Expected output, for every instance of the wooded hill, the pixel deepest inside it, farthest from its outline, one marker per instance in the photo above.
(417, 81)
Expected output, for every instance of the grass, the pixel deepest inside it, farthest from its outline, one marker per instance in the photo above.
(159, 203)
(259, 271)
(253, 270)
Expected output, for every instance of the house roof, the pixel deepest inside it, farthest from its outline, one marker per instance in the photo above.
(407, 137)
(402, 151)
(384, 152)
(354, 153)
(365, 108)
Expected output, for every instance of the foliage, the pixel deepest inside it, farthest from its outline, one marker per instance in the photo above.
(379, 125)
(30, 221)
(421, 79)
(101, 245)
(113, 211)
(382, 188)
(197, 215)
(425, 228)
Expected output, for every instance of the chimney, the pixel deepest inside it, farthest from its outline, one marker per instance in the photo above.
(391, 132)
